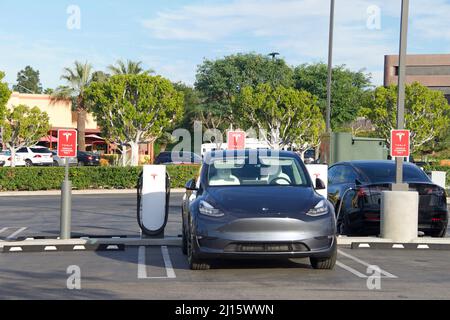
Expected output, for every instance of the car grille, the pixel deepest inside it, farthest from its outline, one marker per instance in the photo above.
(266, 247)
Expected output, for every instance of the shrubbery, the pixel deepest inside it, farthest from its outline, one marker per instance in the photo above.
(50, 178)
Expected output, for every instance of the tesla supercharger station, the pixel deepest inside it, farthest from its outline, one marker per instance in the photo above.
(153, 200)
(319, 171)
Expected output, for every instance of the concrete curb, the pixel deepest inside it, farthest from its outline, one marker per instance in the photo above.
(83, 244)
(75, 192)
(379, 243)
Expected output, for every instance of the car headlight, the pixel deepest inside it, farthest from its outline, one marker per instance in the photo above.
(319, 210)
(208, 210)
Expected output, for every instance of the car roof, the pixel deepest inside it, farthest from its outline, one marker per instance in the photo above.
(368, 163)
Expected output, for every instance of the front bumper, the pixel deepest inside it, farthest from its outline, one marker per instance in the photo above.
(261, 238)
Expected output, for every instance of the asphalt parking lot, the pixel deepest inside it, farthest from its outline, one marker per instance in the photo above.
(162, 272)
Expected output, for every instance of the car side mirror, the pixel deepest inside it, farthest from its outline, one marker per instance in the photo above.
(191, 185)
(320, 185)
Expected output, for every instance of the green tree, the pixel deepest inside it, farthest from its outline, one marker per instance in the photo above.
(28, 81)
(78, 79)
(24, 126)
(49, 91)
(135, 108)
(219, 81)
(128, 67)
(100, 76)
(349, 89)
(427, 113)
(4, 96)
(286, 115)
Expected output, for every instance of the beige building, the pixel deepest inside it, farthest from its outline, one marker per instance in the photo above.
(62, 117)
(431, 70)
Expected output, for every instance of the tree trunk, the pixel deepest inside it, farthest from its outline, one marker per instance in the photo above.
(134, 153)
(13, 157)
(81, 128)
(124, 156)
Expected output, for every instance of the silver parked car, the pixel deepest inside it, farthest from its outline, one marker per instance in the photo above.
(60, 162)
(257, 204)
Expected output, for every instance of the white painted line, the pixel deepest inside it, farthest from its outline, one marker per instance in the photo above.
(50, 248)
(79, 248)
(14, 234)
(142, 265)
(112, 247)
(364, 245)
(3, 230)
(355, 272)
(142, 268)
(383, 272)
(423, 246)
(168, 263)
(15, 249)
(398, 246)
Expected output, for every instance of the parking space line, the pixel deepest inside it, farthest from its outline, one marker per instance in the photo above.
(383, 272)
(14, 234)
(142, 264)
(355, 272)
(168, 263)
(3, 230)
(142, 267)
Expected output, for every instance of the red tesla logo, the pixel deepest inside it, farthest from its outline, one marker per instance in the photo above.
(154, 175)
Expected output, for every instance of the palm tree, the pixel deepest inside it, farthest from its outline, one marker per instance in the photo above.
(128, 67)
(78, 79)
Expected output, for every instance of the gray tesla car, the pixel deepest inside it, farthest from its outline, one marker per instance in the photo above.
(256, 204)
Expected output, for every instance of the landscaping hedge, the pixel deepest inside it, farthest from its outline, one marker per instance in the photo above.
(50, 178)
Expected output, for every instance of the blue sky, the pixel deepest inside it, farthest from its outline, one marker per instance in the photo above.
(174, 36)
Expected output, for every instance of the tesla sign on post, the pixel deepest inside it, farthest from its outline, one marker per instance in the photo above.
(67, 143)
(400, 143)
(67, 147)
(236, 140)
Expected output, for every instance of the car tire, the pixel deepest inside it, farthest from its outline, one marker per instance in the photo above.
(194, 262)
(28, 163)
(438, 233)
(184, 245)
(325, 263)
(55, 164)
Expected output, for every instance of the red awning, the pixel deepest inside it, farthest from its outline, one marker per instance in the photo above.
(49, 139)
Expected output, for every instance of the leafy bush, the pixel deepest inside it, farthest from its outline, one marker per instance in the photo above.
(50, 178)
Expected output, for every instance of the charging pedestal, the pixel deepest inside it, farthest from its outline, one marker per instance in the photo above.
(153, 196)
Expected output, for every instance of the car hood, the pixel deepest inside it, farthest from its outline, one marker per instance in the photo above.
(269, 200)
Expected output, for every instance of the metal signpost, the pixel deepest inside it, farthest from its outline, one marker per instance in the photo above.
(67, 148)
(399, 185)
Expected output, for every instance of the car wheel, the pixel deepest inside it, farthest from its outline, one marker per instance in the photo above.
(438, 233)
(55, 164)
(325, 263)
(184, 245)
(28, 163)
(194, 262)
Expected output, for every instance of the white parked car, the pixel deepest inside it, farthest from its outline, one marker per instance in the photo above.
(36, 156)
(5, 156)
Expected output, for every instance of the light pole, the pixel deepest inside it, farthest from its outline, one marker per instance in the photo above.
(400, 207)
(399, 185)
(330, 67)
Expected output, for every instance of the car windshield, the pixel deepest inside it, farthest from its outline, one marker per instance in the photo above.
(386, 173)
(263, 171)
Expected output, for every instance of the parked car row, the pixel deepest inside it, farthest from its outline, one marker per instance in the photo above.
(42, 156)
(251, 205)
